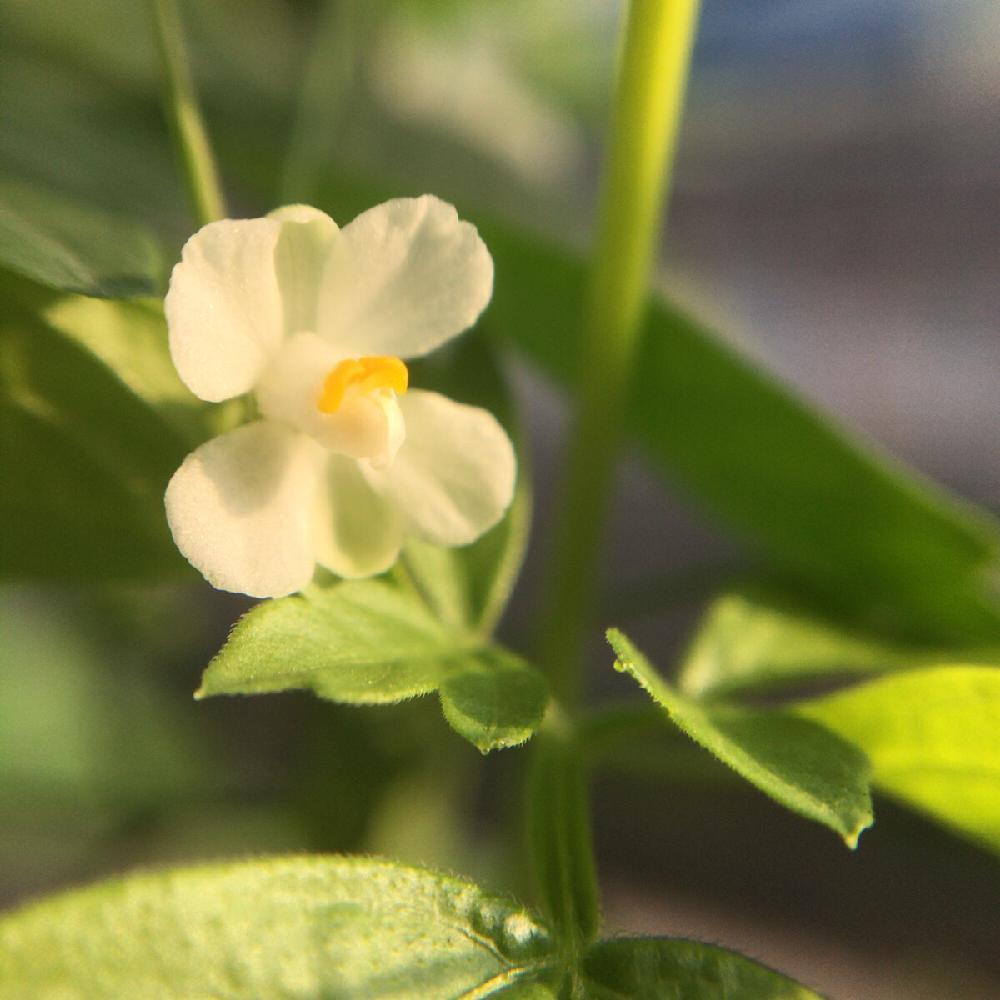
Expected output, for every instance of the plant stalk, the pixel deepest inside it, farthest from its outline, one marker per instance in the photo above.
(652, 76)
(186, 126)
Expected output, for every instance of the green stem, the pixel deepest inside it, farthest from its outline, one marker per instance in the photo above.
(559, 841)
(186, 126)
(649, 95)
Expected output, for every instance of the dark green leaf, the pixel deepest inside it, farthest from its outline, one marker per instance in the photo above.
(495, 701)
(672, 969)
(881, 543)
(93, 422)
(933, 737)
(283, 927)
(796, 762)
(74, 248)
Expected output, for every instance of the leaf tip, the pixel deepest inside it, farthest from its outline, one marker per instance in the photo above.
(852, 838)
(201, 694)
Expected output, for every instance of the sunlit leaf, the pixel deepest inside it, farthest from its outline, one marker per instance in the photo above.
(795, 761)
(282, 927)
(368, 642)
(746, 643)
(672, 969)
(361, 642)
(933, 738)
(68, 246)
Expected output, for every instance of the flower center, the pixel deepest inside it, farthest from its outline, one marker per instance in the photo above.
(366, 374)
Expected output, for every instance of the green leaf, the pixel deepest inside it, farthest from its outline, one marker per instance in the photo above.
(745, 643)
(495, 701)
(72, 247)
(367, 642)
(933, 738)
(468, 587)
(795, 761)
(672, 969)
(282, 927)
(360, 642)
(93, 422)
(881, 543)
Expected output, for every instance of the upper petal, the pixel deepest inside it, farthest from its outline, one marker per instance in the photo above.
(359, 532)
(242, 509)
(402, 278)
(454, 475)
(224, 309)
(306, 236)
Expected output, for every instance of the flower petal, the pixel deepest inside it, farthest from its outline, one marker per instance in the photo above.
(306, 235)
(242, 506)
(224, 308)
(360, 532)
(403, 278)
(454, 475)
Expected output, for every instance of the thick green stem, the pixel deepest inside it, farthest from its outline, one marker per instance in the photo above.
(559, 841)
(186, 126)
(652, 76)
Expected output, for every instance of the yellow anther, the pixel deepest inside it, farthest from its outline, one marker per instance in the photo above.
(367, 374)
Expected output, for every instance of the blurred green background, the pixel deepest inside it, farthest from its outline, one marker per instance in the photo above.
(835, 203)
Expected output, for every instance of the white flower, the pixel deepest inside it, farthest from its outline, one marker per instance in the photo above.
(345, 460)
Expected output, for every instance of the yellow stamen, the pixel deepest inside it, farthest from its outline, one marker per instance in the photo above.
(367, 374)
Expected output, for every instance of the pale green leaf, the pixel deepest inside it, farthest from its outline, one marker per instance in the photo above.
(748, 643)
(361, 642)
(673, 969)
(496, 700)
(933, 738)
(72, 247)
(281, 928)
(368, 642)
(798, 763)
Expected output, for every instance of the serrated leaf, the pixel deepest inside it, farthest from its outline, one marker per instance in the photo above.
(72, 247)
(933, 738)
(92, 425)
(795, 761)
(362, 642)
(368, 642)
(673, 969)
(282, 927)
(495, 701)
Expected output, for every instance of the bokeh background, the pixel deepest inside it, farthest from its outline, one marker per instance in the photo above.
(835, 212)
